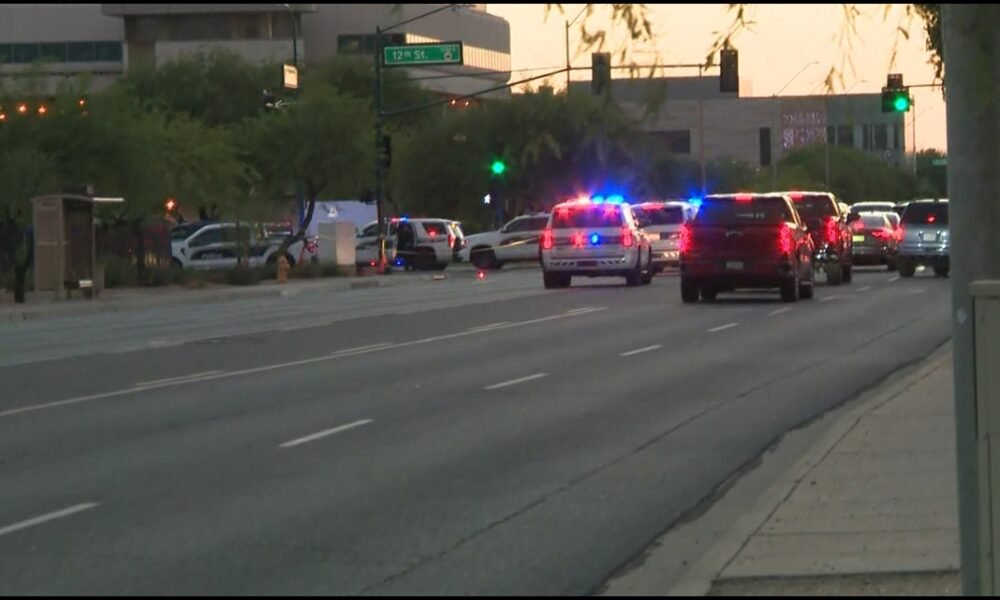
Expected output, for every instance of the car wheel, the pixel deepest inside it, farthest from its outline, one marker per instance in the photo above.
(942, 271)
(689, 290)
(891, 265)
(907, 268)
(834, 275)
(483, 258)
(807, 290)
(790, 289)
(848, 274)
(634, 276)
(709, 293)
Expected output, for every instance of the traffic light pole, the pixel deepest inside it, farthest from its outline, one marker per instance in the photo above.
(379, 164)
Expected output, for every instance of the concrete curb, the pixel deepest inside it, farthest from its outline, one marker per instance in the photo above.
(83, 307)
(705, 571)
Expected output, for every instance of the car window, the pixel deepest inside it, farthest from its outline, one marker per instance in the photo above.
(815, 207)
(926, 213)
(874, 221)
(370, 231)
(537, 223)
(659, 215)
(207, 237)
(518, 225)
(729, 211)
(436, 228)
(588, 216)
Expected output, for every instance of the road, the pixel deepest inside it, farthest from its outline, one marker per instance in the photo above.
(475, 438)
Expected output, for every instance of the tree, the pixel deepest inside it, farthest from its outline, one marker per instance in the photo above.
(322, 142)
(932, 174)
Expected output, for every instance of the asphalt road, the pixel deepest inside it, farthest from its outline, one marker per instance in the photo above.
(445, 443)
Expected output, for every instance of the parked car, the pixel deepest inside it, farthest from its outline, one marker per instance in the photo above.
(925, 238)
(662, 222)
(516, 241)
(215, 245)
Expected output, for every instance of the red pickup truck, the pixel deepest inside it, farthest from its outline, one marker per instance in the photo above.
(746, 241)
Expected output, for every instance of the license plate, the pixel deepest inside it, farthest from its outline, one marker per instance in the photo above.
(859, 238)
(734, 265)
(586, 263)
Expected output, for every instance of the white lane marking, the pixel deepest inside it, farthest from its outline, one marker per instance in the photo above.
(723, 327)
(865, 289)
(176, 379)
(296, 363)
(503, 384)
(641, 350)
(581, 310)
(894, 279)
(60, 514)
(325, 433)
(780, 311)
(829, 299)
(487, 327)
(916, 291)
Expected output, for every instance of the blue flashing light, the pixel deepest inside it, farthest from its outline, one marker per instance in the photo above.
(616, 199)
(404, 218)
(399, 262)
(595, 239)
(695, 202)
(597, 199)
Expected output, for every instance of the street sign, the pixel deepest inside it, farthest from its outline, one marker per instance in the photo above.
(417, 55)
(291, 77)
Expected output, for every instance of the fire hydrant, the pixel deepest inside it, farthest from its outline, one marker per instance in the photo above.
(283, 268)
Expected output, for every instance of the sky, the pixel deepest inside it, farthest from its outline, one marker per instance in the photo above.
(777, 52)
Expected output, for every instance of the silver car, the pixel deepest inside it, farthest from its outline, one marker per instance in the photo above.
(925, 239)
(662, 222)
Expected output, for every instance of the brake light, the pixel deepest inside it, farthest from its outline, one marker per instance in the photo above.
(578, 240)
(686, 243)
(547, 239)
(858, 226)
(832, 232)
(795, 195)
(786, 239)
(627, 240)
(882, 234)
(744, 197)
(899, 234)
(931, 218)
(451, 240)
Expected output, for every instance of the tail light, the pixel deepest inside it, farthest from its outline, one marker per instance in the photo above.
(786, 239)
(627, 240)
(832, 231)
(548, 240)
(899, 234)
(883, 234)
(451, 240)
(578, 240)
(858, 226)
(686, 243)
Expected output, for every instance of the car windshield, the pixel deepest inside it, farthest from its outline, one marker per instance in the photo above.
(873, 221)
(730, 211)
(587, 216)
(659, 215)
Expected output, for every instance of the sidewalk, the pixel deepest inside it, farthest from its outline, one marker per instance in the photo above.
(871, 509)
(119, 299)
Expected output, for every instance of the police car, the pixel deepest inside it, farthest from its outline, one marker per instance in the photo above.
(595, 237)
(517, 241)
(423, 244)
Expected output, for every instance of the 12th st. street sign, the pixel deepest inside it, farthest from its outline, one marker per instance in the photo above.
(418, 55)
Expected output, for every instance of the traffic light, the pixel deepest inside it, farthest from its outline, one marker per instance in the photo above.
(170, 204)
(896, 100)
(729, 71)
(498, 167)
(600, 72)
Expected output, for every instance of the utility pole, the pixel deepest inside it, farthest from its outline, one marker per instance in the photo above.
(379, 166)
(973, 83)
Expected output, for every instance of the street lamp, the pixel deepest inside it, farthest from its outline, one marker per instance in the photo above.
(568, 25)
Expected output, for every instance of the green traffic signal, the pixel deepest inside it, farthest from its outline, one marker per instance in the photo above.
(498, 167)
(901, 103)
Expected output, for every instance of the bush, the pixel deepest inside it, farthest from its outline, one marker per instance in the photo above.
(158, 277)
(242, 276)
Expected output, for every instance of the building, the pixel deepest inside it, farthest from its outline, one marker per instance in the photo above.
(107, 39)
(693, 118)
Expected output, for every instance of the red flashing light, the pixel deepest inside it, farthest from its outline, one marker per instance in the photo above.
(547, 240)
(795, 195)
(578, 240)
(744, 197)
(686, 243)
(627, 240)
(481, 275)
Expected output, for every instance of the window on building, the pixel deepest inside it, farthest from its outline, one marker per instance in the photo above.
(881, 136)
(765, 146)
(831, 134)
(55, 52)
(6, 54)
(845, 136)
(866, 133)
(108, 51)
(25, 53)
(897, 136)
(80, 52)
